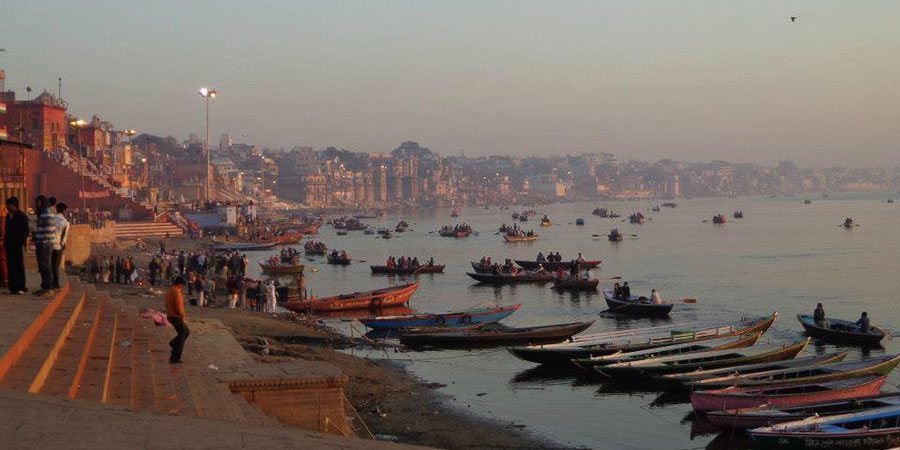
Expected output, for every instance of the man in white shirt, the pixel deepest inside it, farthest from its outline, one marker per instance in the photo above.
(56, 257)
(655, 297)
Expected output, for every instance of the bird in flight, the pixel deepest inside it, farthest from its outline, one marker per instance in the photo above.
(793, 19)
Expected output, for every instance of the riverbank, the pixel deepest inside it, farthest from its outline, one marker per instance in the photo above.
(394, 405)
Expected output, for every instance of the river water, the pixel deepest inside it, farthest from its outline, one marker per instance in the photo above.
(783, 256)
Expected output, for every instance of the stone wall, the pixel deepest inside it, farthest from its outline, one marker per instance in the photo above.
(78, 248)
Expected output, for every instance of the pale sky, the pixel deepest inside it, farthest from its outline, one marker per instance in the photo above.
(695, 80)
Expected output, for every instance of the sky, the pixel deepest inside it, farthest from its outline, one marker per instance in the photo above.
(689, 80)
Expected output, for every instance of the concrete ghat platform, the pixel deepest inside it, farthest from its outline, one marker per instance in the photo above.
(44, 422)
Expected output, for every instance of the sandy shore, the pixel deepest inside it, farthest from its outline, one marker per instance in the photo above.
(394, 405)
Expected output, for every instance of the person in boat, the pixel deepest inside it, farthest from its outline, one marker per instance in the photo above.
(580, 258)
(344, 255)
(655, 298)
(431, 261)
(617, 291)
(863, 324)
(819, 316)
(390, 263)
(573, 269)
(560, 273)
(415, 263)
(541, 258)
(626, 291)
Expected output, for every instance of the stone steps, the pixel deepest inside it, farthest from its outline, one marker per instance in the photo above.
(130, 230)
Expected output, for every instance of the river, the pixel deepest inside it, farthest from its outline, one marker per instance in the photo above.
(783, 256)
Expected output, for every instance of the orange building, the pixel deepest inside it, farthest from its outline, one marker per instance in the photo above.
(40, 122)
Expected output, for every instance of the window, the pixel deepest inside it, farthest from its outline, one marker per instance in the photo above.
(35, 124)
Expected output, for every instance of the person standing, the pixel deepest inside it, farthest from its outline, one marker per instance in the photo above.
(56, 257)
(270, 297)
(14, 243)
(45, 240)
(154, 268)
(181, 262)
(117, 273)
(176, 315)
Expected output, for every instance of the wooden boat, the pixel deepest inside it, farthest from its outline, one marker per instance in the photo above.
(512, 239)
(865, 430)
(576, 284)
(454, 233)
(455, 212)
(337, 260)
(341, 232)
(284, 239)
(738, 215)
(655, 208)
(385, 270)
(615, 235)
(669, 205)
(783, 396)
(881, 365)
(636, 218)
(243, 247)
(766, 416)
(841, 331)
(546, 223)
(448, 319)
(281, 269)
(719, 219)
(636, 306)
(521, 277)
(476, 266)
(746, 340)
(554, 266)
(391, 296)
(636, 339)
(311, 248)
(579, 221)
(806, 361)
(703, 360)
(496, 336)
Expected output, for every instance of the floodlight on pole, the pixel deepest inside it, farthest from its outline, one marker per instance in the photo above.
(207, 94)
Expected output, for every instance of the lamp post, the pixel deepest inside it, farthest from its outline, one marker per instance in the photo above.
(78, 124)
(207, 94)
(130, 133)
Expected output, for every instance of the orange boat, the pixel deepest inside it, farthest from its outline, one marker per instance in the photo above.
(509, 238)
(391, 296)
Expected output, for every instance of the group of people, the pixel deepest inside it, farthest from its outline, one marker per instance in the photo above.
(50, 236)
(405, 262)
(623, 292)
(515, 231)
(121, 270)
(863, 324)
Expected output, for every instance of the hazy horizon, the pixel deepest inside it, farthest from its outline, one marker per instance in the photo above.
(692, 80)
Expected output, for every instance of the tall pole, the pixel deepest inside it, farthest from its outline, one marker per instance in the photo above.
(208, 171)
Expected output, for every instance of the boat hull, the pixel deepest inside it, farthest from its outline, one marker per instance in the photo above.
(452, 319)
(283, 269)
(637, 308)
(840, 336)
(489, 278)
(512, 239)
(490, 338)
(849, 441)
(393, 296)
(554, 266)
(732, 398)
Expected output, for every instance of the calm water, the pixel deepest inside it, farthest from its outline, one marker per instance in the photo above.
(784, 256)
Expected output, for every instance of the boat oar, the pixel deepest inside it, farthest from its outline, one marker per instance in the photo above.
(685, 300)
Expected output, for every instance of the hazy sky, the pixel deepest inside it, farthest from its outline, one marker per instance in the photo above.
(642, 79)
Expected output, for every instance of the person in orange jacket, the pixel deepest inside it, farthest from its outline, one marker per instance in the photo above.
(175, 314)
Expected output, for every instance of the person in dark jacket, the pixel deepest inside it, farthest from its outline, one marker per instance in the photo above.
(14, 242)
(626, 291)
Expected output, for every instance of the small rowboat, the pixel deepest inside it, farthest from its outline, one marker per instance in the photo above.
(636, 306)
(449, 319)
(881, 365)
(243, 247)
(783, 396)
(767, 416)
(428, 268)
(637, 339)
(338, 261)
(703, 360)
(392, 296)
(554, 266)
(806, 361)
(746, 340)
(478, 269)
(579, 221)
(512, 239)
(280, 269)
(521, 277)
(483, 337)
(841, 331)
(576, 284)
(866, 430)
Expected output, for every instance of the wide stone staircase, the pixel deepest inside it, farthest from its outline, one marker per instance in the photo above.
(134, 230)
(85, 346)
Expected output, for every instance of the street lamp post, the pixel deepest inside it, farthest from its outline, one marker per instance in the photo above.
(207, 94)
(130, 133)
(78, 124)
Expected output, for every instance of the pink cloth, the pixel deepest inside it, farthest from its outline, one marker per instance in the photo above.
(159, 318)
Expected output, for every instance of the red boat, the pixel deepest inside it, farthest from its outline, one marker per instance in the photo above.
(783, 396)
(392, 296)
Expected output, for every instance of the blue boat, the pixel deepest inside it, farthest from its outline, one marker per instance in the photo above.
(450, 319)
(871, 429)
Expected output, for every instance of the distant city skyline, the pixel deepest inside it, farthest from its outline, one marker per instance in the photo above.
(694, 80)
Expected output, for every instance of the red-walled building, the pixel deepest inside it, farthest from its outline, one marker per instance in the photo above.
(40, 122)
